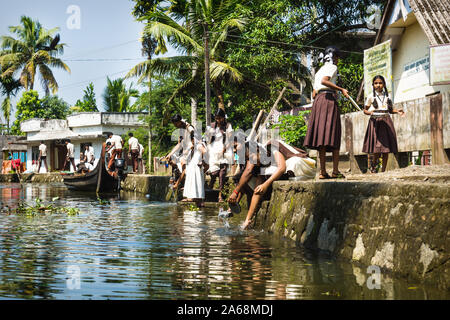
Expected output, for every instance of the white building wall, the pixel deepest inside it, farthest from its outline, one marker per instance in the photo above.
(413, 83)
(84, 119)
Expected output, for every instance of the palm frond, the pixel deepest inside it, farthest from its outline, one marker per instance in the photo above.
(223, 70)
(163, 27)
(162, 65)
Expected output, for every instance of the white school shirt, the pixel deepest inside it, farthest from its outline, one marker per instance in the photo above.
(141, 150)
(328, 70)
(117, 141)
(89, 154)
(43, 149)
(70, 150)
(133, 143)
(381, 101)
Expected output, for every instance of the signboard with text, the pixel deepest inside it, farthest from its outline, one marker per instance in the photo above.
(440, 64)
(377, 61)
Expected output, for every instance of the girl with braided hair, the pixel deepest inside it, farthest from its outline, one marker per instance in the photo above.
(380, 135)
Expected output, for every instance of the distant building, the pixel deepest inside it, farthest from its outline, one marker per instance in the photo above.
(85, 128)
(414, 27)
(14, 146)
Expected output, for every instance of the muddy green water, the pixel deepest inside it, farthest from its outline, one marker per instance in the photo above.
(132, 248)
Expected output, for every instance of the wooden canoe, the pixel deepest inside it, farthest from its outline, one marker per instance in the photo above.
(98, 180)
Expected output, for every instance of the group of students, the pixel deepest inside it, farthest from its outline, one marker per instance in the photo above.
(114, 145)
(256, 165)
(324, 125)
(254, 178)
(87, 159)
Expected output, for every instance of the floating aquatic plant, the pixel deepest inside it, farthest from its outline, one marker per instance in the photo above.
(39, 207)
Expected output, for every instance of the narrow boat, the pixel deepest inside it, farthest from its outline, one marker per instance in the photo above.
(98, 180)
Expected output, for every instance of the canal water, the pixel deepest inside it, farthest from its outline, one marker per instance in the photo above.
(131, 248)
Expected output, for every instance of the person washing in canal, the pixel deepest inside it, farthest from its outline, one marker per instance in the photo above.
(194, 185)
(265, 164)
(187, 133)
(380, 135)
(324, 125)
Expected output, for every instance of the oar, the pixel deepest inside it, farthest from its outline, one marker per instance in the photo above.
(354, 103)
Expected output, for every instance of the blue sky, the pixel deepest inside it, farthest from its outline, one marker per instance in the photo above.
(107, 31)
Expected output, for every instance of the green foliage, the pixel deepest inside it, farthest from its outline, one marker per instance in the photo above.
(351, 73)
(161, 112)
(30, 106)
(267, 52)
(32, 52)
(9, 88)
(89, 103)
(116, 97)
(293, 128)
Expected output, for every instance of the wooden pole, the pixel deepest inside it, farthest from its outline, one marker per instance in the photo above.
(256, 125)
(207, 77)
(271, 111)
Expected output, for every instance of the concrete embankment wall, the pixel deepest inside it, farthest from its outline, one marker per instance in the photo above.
(155, 186)
(32, 177)
(401, 227)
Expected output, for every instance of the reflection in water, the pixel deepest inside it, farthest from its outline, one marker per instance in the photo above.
(130, 248)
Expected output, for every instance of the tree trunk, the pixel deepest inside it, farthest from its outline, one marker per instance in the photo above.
(219, 93)
(207, 77)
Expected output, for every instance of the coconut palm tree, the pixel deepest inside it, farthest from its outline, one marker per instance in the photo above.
(34, 50)
(201, 20)
(8, 88)
(116, 97)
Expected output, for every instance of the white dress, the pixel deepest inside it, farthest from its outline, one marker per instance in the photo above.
(194, 185)
(216, 156)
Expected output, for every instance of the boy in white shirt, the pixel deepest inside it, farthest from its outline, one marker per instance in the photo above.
(42, 156)
(133, 144)
(116, 147)
(70, 155)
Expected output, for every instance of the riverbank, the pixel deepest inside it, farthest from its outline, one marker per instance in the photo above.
(397, 220)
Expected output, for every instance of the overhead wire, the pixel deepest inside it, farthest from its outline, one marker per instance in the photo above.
(224, 41)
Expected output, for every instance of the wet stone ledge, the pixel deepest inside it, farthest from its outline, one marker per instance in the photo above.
(156, 187)
(32, 177)
(399, 226)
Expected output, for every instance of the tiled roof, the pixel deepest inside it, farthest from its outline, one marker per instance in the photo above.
(434, 18)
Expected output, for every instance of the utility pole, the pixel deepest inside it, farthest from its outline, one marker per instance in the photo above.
(207, 76)
(149, 123)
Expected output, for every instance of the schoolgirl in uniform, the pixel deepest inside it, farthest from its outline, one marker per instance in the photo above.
(380, 136)
(324, 125)
(219, 157)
